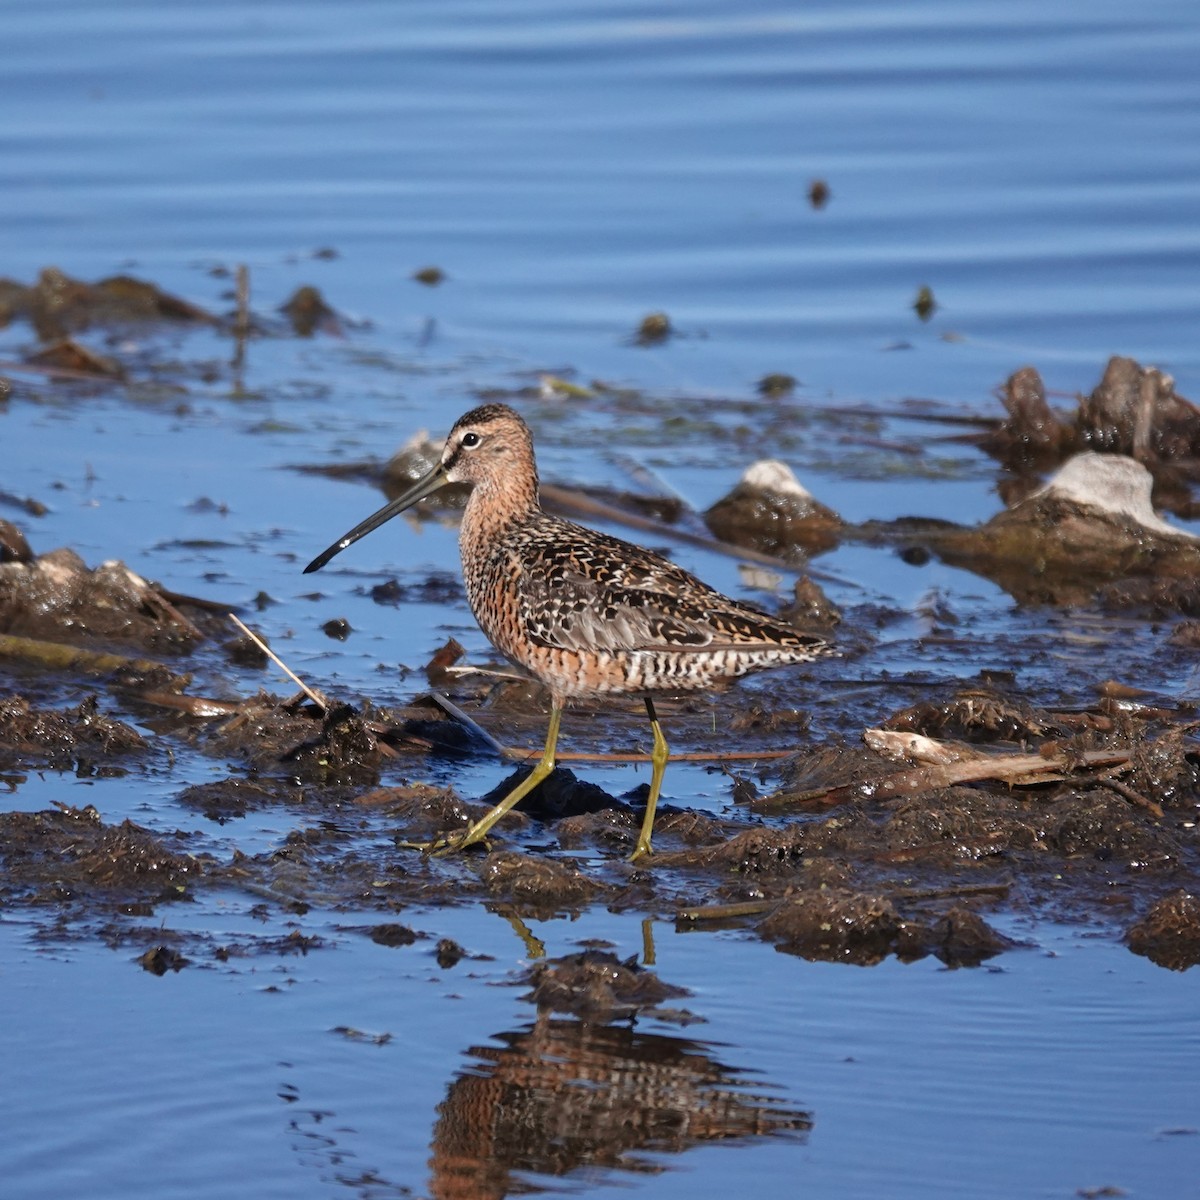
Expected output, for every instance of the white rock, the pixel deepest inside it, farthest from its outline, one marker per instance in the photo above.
(1111, 483)
(771, 475)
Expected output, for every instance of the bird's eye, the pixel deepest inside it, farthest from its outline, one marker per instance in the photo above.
(470, 441)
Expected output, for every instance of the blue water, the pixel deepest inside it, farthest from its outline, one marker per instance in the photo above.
(571, 169)
(1069, 1066)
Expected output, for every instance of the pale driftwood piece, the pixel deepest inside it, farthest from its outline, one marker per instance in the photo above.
(1016, 770)
(916, 747)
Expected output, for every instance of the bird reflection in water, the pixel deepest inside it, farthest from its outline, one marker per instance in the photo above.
(562, 1096)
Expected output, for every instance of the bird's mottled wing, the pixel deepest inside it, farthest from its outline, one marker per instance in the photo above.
(606, 594)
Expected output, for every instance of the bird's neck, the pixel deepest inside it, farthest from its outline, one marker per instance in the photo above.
(494, 508)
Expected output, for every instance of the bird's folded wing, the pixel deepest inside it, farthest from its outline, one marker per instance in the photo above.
(611, 604)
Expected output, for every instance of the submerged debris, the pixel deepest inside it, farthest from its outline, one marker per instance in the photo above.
(538, 885)
(596, 986)
(57, 598)
(770, 510)
(864, 929)
(67, 355)
(308, 312)
(57, 305)
(70, 856)
(1078, 807)
(896, 847)
(653, 329)
(1133, 410)
(1169, 934)
(1090, 526)
(227, 799)
(834, 925)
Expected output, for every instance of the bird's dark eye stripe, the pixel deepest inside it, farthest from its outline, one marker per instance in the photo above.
(470, 440)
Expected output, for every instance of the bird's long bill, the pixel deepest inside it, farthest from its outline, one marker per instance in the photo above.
(419, 490)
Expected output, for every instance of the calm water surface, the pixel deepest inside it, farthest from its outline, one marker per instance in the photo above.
(572, 168)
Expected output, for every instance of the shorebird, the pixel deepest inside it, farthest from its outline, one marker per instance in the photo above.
(585, 613)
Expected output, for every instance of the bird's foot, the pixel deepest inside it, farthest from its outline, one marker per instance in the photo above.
(444, 843)
(449, 843)
(641, 851)
(424, 847)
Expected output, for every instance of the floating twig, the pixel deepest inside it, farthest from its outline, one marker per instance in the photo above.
(193, 706)
(452, 709)
(725, 912)
(1134, 797)
(320, 701)
(241, 321)
(713, 756)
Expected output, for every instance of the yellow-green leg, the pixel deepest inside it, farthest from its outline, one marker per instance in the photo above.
(478, 831)
(658, 764)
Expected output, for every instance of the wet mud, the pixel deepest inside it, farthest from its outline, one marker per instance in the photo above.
(69, 859)
(952, 812)
(916, 836)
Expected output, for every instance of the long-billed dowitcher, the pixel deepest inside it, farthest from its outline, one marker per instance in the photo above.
(586, 613)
